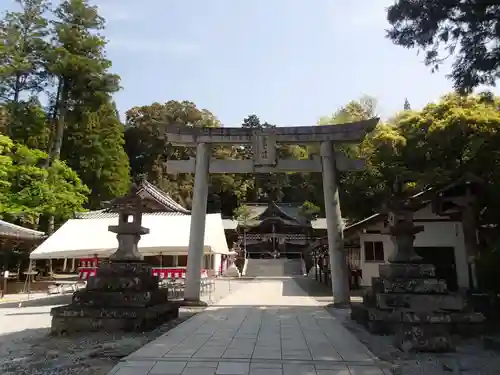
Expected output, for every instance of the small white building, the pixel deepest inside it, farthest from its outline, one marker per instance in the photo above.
(440, 243)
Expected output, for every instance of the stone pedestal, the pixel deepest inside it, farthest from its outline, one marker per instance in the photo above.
(410, 302)
(123, 295)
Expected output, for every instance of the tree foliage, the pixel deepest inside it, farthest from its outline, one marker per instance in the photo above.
(468, 30)
(242, 214)
(50, 152)
(55, 50)
(28, 191)
(309, 210)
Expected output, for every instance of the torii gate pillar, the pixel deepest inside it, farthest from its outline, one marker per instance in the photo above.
(196, 245)
(264, 142)
(334, 225)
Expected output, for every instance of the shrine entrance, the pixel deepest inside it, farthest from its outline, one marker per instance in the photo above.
(265, 160)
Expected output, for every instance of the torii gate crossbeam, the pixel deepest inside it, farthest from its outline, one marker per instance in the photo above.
(264, 160)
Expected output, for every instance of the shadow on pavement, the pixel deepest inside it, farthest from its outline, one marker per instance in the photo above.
(36, 351)
(39, 302)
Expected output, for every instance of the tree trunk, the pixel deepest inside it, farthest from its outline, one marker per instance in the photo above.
(59, 130)
(53, 118)
(59, 116)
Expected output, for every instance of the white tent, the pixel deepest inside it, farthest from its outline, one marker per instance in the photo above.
(169, 235)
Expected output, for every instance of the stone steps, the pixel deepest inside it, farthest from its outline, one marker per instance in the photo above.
(273, 267)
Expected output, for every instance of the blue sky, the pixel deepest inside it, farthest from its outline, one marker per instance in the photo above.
(289, 61)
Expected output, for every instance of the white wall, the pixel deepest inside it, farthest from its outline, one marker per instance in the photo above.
(435, 234)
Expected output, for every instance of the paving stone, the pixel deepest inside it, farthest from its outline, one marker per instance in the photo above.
(266, 371)
(298, 369)
(203, 364)
(198, 371)
(167, 368)
(365, 370)
(265, 365)
(263, 332)
(233, 368)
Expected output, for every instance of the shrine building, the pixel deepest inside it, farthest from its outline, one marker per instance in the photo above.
(275, 229)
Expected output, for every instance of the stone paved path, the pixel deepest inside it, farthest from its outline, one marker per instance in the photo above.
(267, 327)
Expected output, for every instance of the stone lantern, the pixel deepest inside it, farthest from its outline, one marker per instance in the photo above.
(123, 295)
(408, 299)
(129, 229)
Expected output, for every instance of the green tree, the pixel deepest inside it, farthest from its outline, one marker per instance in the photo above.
(309, 210)
(78, 64)
(22, 42)
(243, 214)
(26, 122)
(93, 146)
(467, 30)
(28, 191)
(360, 191)
(148, 152)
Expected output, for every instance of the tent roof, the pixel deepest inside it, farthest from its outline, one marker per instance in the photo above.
(168, 235)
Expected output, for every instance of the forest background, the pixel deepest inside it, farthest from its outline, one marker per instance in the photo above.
(64, 149)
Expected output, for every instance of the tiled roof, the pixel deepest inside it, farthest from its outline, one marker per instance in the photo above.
(172, 208)
(289, 209)
(161, 197)
(103, 214)
(10, 230)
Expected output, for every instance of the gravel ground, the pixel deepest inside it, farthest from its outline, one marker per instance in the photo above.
(470, 357)
(27, 348)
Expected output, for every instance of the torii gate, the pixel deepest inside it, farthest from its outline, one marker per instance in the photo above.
(265, 160)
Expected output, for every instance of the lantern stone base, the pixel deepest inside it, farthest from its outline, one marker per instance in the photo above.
(122, 296)
(411, 303)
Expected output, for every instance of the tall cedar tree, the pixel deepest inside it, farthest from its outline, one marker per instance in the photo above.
(22, 42)
(78, 64)
(23, 45)
(88, 133)
(93, 146)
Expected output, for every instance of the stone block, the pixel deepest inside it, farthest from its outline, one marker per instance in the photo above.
(132, 269)
(420, 302)
(127, 298)
(406, 271)
(423, 338)
(441, 317)
(119, 283)
(71, 318)
(424, 285)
